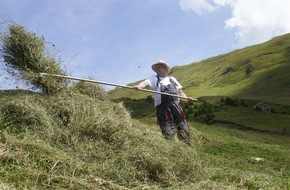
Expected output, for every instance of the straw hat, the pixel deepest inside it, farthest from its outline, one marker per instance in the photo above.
(160, 62)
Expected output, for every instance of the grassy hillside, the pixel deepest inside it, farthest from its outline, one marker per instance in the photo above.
(256, 72)
(259, 71)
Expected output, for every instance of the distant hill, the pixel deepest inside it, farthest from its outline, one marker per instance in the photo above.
(257, 72)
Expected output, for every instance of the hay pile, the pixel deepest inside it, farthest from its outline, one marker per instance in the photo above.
(72, 134)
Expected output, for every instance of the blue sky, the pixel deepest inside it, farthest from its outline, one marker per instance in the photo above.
(118, 40)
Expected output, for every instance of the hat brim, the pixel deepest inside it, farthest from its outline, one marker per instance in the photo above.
(154, 67)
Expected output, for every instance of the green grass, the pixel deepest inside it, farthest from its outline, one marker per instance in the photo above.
(228, 153)
(275, 123)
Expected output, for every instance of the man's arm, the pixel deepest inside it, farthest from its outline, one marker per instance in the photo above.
(141, 85)
(185, 99)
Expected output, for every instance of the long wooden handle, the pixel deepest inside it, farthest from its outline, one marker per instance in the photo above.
(113, 84)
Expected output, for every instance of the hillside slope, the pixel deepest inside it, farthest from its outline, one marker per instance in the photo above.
(259, 72)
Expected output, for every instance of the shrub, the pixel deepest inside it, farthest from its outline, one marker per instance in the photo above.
(202, 113)
(149, 99)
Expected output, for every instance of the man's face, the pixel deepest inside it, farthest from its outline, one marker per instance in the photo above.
(161, 70)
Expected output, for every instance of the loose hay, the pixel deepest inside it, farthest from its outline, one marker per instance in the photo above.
(25, 57)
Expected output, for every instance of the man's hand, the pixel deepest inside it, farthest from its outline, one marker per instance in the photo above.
(190, 100)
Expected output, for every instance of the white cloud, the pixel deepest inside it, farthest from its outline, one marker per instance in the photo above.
(253, 21)
(259, 20)
(224, 2)
(198, 6)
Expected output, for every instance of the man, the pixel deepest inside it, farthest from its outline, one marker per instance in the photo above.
(168, 111)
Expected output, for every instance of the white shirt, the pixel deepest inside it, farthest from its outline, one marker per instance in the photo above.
(152, 81)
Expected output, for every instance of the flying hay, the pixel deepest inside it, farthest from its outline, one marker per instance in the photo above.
(25, 57)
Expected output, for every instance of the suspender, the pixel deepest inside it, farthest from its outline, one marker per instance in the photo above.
(158, 81)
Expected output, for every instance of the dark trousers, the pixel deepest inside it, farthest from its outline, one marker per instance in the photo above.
(169, 116)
